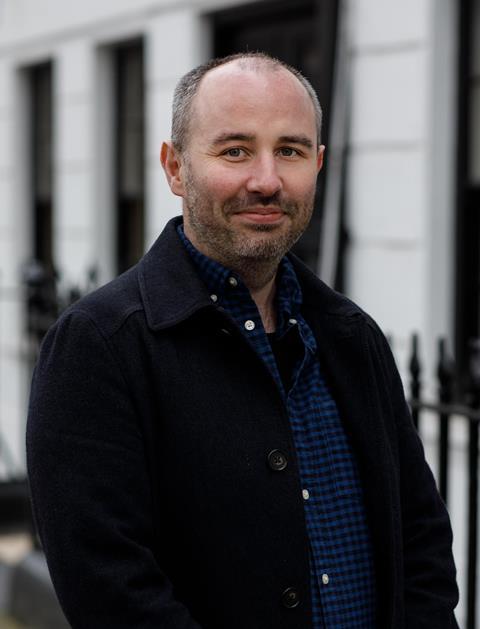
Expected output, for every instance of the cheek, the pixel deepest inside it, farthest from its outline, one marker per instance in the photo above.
(300, 182)
(221, 185)
(301, 189)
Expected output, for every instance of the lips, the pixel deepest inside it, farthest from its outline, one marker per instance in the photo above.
(262, 214)
(262, 210)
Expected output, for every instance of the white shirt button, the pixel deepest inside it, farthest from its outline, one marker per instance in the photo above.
(305, 494)
(325, 579)
(249, 325)
(214, 298)
(292, 321)
(232, 281)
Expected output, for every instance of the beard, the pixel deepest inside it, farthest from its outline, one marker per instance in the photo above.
(242, 248)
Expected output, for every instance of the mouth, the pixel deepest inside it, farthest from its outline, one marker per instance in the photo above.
(262, 214)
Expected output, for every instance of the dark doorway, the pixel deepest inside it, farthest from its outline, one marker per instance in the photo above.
(303, 34)
(130, 153)
(467, 285)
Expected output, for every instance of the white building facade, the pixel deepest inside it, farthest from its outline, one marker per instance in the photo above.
(393, 124)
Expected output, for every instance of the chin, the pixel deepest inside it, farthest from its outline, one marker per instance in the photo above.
(262, 248)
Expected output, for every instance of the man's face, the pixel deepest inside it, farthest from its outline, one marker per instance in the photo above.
(248, 173)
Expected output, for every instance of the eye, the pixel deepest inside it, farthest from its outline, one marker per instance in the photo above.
(288, 151)
(234, 152)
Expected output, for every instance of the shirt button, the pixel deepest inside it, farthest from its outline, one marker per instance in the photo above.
(290, 598)
(277, 460)
(292, 321)
(249, 325)
(325, 579)
(232, 281)
(214, 298)
(305, 494)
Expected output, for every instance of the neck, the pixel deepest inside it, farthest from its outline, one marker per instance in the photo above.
(259, 278)
(264, 299)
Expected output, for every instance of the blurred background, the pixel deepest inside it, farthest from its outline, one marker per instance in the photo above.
(85, 98)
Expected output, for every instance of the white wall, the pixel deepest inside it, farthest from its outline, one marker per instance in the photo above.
(400, 192)
(163, 72)
(388, 157)
(401, 174)
(14, 245)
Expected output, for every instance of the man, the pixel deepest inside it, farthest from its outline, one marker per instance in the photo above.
(218, 440)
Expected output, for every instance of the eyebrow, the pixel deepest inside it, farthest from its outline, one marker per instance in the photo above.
(303, 140)
(233, 137)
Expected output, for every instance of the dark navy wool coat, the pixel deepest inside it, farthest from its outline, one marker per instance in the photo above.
(150, 425)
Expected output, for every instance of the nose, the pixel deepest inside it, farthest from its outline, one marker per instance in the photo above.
(264, 178)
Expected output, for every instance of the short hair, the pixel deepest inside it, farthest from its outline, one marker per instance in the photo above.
(188, 85)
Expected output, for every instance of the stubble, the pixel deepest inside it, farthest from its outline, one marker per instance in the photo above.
(254, 253)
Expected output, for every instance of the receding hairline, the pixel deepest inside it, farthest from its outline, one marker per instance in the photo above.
(250, 64)
(251, 61)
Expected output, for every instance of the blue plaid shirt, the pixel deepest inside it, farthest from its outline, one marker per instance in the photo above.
(341, 564)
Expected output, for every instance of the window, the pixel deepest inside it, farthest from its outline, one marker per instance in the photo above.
(129, 153)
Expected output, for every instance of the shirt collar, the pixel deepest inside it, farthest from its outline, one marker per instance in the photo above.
(219, 279)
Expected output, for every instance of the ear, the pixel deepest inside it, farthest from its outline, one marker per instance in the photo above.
(321, 151)
(172, 165)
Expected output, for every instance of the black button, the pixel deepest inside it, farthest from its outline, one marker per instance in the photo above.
(277, 460)
(290, 598)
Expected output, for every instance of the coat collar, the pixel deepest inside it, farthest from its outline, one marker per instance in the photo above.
(172, 291)
(170, 287)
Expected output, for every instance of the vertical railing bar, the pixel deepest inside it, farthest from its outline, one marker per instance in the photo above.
(445, 375)
(472, 536)
(444, 455)
(415, 383)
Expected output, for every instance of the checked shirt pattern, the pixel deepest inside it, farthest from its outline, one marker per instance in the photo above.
(341, 564)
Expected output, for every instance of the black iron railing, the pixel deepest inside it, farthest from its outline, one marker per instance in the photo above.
(448, 405)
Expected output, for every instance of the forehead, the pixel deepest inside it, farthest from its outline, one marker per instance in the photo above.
(231, 96)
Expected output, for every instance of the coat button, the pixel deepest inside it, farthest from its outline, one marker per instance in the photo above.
(277, 460)
(290, 598)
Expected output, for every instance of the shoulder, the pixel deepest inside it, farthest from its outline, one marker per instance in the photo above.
(107, 308)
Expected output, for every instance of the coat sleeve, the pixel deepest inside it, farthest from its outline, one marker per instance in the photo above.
(90, 488)
(431, 592)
